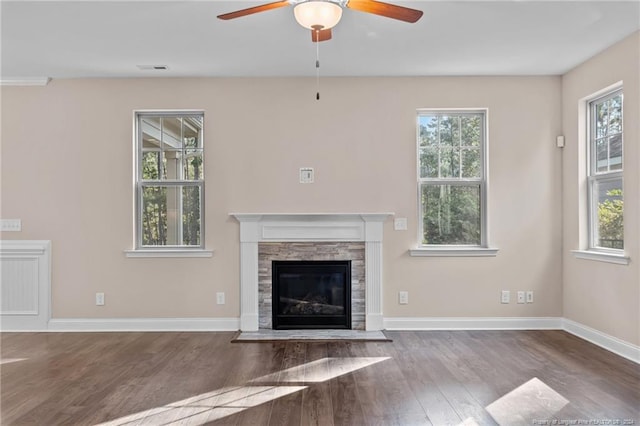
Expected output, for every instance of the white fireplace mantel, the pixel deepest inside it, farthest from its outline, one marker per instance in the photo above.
(279, 227)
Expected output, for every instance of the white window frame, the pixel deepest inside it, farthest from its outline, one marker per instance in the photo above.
(141, 250)
(593, 178)
(592, 251)
(443, 250)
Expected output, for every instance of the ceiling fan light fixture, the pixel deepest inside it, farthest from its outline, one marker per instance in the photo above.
(316, 14)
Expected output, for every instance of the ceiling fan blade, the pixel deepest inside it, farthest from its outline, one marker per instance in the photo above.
(252, 10)
(322, 35)
(385, 9)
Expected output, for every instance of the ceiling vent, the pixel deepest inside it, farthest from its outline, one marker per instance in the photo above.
(153, 67)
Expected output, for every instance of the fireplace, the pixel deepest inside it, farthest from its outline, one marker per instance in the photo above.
(258, 230)
(311, 294)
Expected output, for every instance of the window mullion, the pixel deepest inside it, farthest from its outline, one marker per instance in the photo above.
(439, 149)
(180, 175)
(459, 146)
(608, 138)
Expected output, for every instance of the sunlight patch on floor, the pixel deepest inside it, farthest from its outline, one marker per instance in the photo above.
(533, 400)
(210, 406)
(207, 407)
(10, 360)
(320, 370)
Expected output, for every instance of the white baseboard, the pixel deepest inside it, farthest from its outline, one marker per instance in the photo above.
(145, 324)
(605, 341)
(610, 343)
(469, 323)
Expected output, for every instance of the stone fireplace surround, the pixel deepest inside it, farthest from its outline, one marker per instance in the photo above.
(311, 250)
(256, 228)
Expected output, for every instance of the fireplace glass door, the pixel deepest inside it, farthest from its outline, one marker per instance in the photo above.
(311, 294)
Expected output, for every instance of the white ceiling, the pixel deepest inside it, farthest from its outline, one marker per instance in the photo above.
(67, 39)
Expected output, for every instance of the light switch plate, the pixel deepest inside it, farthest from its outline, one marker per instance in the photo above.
(306, 175)
(13, 225)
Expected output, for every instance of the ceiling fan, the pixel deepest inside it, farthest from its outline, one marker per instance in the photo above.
(321, 15)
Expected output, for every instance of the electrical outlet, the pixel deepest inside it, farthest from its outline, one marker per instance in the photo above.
(530, 296)
(505, 296)
(220, 298)
(403, 297)
(12, 225)
(521, 298)
(99, 299)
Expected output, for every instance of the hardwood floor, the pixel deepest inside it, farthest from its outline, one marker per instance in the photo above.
(421, 378)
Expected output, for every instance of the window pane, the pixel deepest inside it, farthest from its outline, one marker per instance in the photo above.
(191, 215)
(150, 129)
(150, 165)
(171, 215)
(429, 162)
(615, 152)
(449, 131)
(428, 130)
(449, 163)
(451, 214)
(172, 164)
(615, 115)
(171, 133)
(193, 169)
(470, 127)
(601, 118)
(154, 216)
(610, 203)
(471, 163)
(602, 155)
(191, 128)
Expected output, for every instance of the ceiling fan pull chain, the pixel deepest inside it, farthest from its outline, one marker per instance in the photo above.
(318, 66)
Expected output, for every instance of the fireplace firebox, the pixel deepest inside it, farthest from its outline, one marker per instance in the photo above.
(311, 294)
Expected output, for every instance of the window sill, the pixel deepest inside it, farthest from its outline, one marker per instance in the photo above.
(600, 256)
(454, 252)
(169, 253)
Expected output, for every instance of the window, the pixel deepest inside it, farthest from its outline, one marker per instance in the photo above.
(606, 201)
(452, 178)
(169, 180)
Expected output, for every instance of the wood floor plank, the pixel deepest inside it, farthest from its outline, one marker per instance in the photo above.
(287, 410)
(267, 361)
(345, 401)
(317, 409)
(415, 365)
(392, 404)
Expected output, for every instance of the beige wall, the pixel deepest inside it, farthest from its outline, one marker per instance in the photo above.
(67, 173)
(601, 295)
